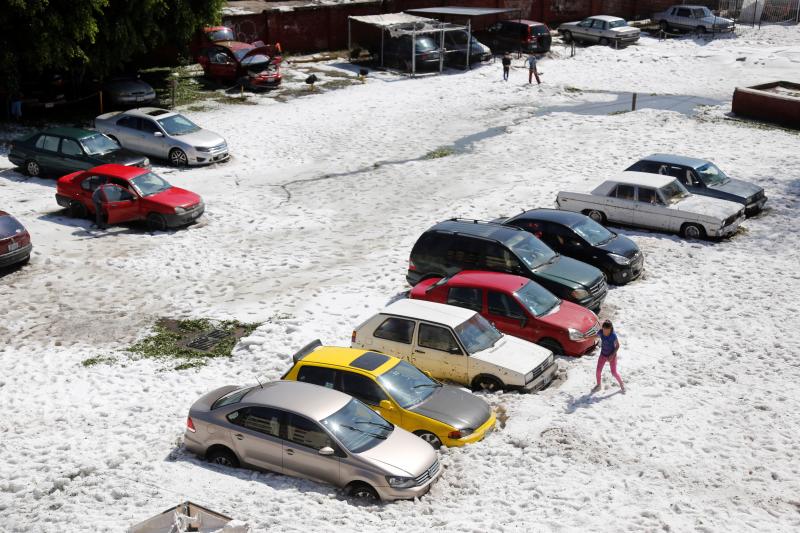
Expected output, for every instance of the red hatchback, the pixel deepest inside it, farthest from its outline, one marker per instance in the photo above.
(15, 241)
(130, 194)
(257, 66)
(517, 306)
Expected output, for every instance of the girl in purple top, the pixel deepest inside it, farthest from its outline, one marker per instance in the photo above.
(609, 345)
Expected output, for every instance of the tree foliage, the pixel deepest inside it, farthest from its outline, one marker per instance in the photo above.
(99, 36)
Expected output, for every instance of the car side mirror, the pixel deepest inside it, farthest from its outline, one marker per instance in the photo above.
(455, 350)
(327, 450)
(158, 134)
(386, 405)
(427, 374)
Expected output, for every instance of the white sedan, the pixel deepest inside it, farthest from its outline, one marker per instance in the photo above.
(656, 202)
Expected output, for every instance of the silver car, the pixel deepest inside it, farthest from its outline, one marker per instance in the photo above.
(304, 430)
(128, 92)
(163, 134)
(698, 19)
(601, 29)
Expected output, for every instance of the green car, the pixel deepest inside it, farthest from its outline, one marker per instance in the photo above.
(61, 151)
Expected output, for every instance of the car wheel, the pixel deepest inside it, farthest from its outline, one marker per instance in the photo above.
(430, 438)
(663, 26)
(567, 36)
(224, 457)
(32, 168)
(603, 41)
(693, 231)
(156, 222)
(77, 209)
(362, 492)
(700, 30)
(177, 158)
(487, 383)
(552, 345)
(597, 216)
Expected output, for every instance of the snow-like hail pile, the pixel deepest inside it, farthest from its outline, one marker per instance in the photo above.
(308, 230)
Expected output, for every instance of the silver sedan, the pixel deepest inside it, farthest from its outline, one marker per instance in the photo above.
(601, 29)
(163, 134)
(308, 431)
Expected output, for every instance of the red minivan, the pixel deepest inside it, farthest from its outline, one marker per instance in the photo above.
(517, 306)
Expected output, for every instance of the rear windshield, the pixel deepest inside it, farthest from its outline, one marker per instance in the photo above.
(617, 23)
(540, 30)
(425, 43)
(9, 226)
(225, 34)
(232, 397)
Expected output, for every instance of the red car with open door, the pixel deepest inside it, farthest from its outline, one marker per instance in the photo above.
(15, 241)
(256, 66)
(517, 306)
(130, 194)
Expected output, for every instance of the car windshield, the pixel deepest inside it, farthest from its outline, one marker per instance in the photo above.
(407, 384)
(540, 30)
(9, 226)
(98, 144)
(234, 396)
(700, 12)
(710, 174)
(617, 23)
(149, 184)
(674, 192)
(178, 125)
(533, 252)
(259, 60)
(358, 427)
(425, 44)
(594, 233)
(225, 34)
(537, 299)
(477, 334)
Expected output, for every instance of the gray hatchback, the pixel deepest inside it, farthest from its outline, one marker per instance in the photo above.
(312, 432)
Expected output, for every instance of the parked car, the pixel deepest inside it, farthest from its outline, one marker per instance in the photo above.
(397, 53)
(578, 236)
(15, 241)
(698, 19)
(455, 245)
(398, 391)
(518, 36)
(163, 134)
(57, 151)
(128, 91)
(601, 29)
(131, 194)
(655, 202)
(257, 67)
(455, 46)
(703, 177)
(313, 432)
(458, 345)
(517, 306)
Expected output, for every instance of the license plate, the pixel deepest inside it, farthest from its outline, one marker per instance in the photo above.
(13, 246)
(140, 98)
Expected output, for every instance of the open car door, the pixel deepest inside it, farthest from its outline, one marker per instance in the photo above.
(121, 204)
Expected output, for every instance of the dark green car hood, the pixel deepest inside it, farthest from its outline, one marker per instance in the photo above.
(570, 272)
(119, 157)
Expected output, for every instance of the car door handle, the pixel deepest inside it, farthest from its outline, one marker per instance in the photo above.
(289, 451)
(239, 436)
(419, 351)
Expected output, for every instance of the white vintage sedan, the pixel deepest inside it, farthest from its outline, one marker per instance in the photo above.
(655, 202)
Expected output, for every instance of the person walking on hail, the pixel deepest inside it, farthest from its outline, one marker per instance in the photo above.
(609, 346)
(506, 65)
(532, 70)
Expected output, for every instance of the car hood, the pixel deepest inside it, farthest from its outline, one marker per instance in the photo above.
(570, 315)
(402, 451)
(570, 271)
(620, 245)
(175, 197)
(127, 86)
(454, 407)
(202, 138)
(120, 157)
(708, 206)
(514, 354)
(739, 188)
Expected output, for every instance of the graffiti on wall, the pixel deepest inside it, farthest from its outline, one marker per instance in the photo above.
(569, 6)
(245, 29)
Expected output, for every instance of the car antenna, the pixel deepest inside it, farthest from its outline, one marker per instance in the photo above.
(259, 382)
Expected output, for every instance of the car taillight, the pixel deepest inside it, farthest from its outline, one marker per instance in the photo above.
(190, 424)
(423, 56)
(353, 336)
(454, 434)
(411, 265)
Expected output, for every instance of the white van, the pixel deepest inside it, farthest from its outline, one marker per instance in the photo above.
(456, 344)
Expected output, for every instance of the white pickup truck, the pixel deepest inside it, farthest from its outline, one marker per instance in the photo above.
(657, 202)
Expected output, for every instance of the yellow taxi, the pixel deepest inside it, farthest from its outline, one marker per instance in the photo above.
(398, 391)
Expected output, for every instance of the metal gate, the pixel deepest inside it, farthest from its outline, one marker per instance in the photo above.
(757, 12)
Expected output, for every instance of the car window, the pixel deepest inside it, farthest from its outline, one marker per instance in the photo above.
(429, 249)
(683, 12)
(599, 25)
(468, 297)
(587, 23)
(358, 427)
(324, 377)
(9, 226)
(115, 193)
(396, 329)
(261, 419)
(437, 338)
(503, 305)
(235, 396)
(477, 334)
(464, 252)
(647, 196)
(92, 182)
(362, 387)
(624, 192)
(129, 122)
(500, 258)
(407, 384)
(71, 147)
(302, 431)
(48, 142)
(148, 126)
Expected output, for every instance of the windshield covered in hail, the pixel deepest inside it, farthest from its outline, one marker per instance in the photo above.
(149, 184)
(407, 384)
(178, 125)
(674, 192)
(477, 334)
(530, 250)
(98, 144)
(358, 427)
(710, 174)
(536, 299)
(592, 232)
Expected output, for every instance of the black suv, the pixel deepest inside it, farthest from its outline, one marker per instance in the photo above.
(455, 245)
(517, 36)
(580, 237)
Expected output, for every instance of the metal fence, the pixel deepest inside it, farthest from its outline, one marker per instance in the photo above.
(757, 12)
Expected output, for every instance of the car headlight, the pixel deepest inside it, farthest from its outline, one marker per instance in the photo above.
(620, 259)
(575, 335)
(550, 360)
(399, 482)
(529, 377)
(146, 162)
(579, 294)
(179, 210)
(202, 149)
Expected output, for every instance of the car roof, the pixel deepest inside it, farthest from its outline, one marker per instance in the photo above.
(118, 171)
(497, 281)
(149, 112)
(676, 160)
(642, 178)
(488, 230)
(525, 22)
(305, 399)
(567, 218)
(606, 18)
(448, 315)
(364, 360)
(74, 133)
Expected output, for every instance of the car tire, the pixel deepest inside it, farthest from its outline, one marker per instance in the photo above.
(362, 492)
(700, 30)
(604, 41)
(487, 383)
(693, 231)
(223, 457)
(178, 158)
(552, 345)
(77, 209)
(32, 168)
(567, 36)
(597, 216)
(156, 222)
(430, 438)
